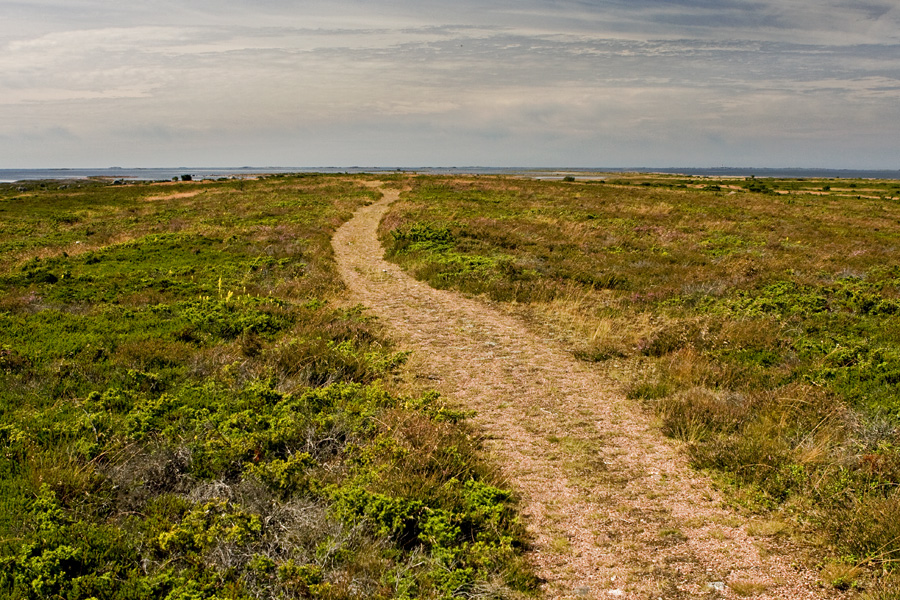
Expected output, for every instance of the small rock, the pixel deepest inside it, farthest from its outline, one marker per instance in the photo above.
(719, 586)
(616, 592)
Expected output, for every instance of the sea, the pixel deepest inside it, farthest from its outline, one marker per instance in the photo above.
(166, 174)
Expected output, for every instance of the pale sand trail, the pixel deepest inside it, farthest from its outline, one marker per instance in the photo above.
(612, 506)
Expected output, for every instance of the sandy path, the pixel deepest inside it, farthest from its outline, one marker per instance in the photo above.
(612, 506)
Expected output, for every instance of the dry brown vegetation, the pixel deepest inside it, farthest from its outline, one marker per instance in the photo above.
(759, 327)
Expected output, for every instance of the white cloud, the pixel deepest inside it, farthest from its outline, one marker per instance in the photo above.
(568, 81)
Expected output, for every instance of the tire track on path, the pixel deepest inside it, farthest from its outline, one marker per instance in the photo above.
(613, 508)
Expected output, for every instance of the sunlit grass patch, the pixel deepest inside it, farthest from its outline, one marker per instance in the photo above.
(747, 588)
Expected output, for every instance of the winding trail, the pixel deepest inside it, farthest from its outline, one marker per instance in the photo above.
(613, 508)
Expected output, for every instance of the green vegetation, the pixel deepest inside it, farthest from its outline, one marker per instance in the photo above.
(758, 319)
(187, 411)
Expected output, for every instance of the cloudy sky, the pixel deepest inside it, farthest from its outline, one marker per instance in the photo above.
(617, 83)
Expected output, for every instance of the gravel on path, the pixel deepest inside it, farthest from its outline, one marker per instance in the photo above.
(612, 506)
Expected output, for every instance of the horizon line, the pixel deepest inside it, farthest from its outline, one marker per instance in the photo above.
(451, 167)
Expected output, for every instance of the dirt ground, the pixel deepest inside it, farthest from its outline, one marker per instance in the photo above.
(613, 508)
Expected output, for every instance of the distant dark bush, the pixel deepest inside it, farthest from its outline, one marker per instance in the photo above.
(759, 187)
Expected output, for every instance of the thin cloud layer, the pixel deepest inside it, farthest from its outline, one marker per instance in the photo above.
(611, 83)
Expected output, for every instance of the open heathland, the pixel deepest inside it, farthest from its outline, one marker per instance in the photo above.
(758, 320)
(189, 410)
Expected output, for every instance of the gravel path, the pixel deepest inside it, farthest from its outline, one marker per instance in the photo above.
(613, 508)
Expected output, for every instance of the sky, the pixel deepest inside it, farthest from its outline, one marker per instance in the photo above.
(406, 83)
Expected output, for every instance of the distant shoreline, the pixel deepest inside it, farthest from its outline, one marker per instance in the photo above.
(165, 174)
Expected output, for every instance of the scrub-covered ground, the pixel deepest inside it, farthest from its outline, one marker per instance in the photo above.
(189, 410)
(758, 320)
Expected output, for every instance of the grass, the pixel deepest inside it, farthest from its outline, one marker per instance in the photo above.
(769, 528)
(840, 576)
(189, 410)
(747, 588)
(756, 319)
(888, 588)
